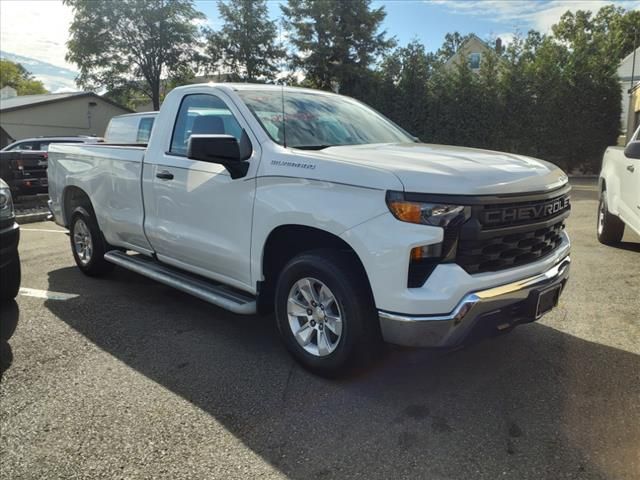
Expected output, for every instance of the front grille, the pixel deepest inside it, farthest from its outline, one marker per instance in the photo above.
(500, 231)
(508, 251)
(509, 232)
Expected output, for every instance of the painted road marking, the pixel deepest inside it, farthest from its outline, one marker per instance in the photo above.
(32, 292)
(42, 230)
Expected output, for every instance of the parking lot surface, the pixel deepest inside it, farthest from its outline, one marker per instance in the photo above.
(122, 377)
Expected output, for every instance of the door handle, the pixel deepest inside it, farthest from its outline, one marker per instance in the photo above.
(165, 175)
(631, 168)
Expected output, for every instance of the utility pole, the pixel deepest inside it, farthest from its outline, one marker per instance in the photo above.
(633, 74)
(633, 62)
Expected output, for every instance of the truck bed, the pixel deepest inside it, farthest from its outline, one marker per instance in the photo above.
(110, 175)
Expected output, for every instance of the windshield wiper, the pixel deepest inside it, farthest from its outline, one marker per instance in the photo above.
(312, 147)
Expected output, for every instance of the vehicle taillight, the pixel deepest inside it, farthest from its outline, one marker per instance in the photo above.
(45, 155)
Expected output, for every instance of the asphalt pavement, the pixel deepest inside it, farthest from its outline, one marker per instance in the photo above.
(122, 377)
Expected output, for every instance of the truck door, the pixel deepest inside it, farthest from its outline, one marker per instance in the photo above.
(197, 217)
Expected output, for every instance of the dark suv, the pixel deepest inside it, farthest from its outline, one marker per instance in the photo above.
(9, 238)
(42, 143)
(23, 164)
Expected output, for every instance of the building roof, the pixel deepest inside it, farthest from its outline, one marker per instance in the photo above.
(26, 101)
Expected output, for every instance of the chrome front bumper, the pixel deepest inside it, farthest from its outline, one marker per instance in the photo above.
(497, 308)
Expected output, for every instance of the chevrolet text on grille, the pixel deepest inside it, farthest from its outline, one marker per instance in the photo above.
(528, 212)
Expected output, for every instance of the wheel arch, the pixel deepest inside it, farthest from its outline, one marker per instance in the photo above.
(287, 241)
(73, 197)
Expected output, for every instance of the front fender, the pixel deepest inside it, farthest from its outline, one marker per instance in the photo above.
(331, 207)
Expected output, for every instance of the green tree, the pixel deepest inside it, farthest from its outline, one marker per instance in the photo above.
(16, 76)
(246, 44)
(610, 32)
(336, 42)
(595, 46)
(416, 66)
(145, 41)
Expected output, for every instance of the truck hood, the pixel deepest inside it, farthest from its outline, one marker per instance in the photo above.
(426, 168)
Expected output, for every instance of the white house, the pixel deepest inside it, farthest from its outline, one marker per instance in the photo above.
(472, 49)
(625, 71)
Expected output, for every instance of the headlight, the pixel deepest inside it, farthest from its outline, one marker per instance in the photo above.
(436, 214)
(6, 204)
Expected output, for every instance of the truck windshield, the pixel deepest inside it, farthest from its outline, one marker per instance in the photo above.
(319, 120)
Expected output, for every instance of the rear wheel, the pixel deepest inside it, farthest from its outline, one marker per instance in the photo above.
(87, 244)
(325, 313)
(610, 227)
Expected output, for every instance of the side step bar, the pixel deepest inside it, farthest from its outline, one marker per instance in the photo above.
(215, 293)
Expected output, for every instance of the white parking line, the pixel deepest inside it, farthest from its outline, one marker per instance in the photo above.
(32, 292)
(42, 230)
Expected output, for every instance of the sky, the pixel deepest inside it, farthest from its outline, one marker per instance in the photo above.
(47, 21)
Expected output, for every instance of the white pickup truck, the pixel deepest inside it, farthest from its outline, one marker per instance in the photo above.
(257, 197)
(619, 191)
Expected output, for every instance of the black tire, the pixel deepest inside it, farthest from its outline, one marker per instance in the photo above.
(609, 228)
(93, 265)
(343, 275)
(10, 276)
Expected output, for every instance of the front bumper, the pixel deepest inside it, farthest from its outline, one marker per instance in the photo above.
(480, 312)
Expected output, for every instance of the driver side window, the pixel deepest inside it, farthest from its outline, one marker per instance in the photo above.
(202, 114)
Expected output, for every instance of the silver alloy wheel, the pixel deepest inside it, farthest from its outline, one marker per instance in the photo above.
(82, 241)
(601, 214)
(315, 318)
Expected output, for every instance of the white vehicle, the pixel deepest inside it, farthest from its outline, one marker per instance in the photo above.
(131, 128)
(330, 214)
(619, 191)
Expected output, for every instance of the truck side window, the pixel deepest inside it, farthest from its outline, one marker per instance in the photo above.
(202, 114)
(144, 129)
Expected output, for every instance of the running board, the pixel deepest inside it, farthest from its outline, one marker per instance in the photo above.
(215, 293)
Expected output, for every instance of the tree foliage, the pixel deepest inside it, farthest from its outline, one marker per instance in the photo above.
(555, 97)
(139, 41)
(246, 45)
(16, 76)
(335, 42)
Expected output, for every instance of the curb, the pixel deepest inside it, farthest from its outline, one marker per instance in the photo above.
(32, 218)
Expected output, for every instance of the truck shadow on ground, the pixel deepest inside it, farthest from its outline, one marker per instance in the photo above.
(537, 403)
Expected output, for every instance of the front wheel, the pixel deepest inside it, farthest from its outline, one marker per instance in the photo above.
(325, 312)
(87, 244)
(610, 227)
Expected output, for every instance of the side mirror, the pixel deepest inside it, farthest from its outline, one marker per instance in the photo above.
(633, 149)
(222, 149)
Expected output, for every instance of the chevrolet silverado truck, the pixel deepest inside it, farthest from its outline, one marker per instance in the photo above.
(619, 191)
(255, 197)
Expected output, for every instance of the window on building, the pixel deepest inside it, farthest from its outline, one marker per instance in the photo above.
(474, 61)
